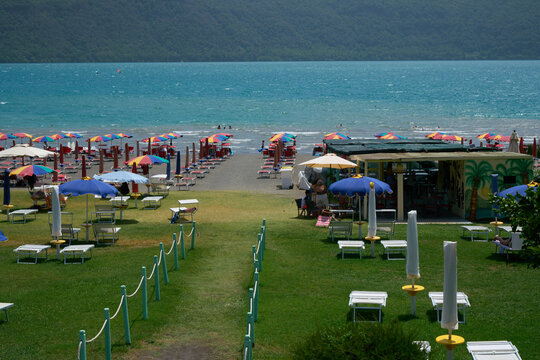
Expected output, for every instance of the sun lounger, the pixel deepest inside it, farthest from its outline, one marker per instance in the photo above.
(323, 221)
(5, 307)
(104, 232)
(186, 182)
(263, 173)
(22, 214)
(340, 229)
(152, 202)
(76, 250)
(493, 350)
(508, 229)
(394, 247)
(351, 246)
(160, 189)
(30, 251)
(476, 230)
(437, 302)
(375, 300)
(180, 214)
(516, 245)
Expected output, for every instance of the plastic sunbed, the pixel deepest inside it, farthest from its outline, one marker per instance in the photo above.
(5, 307)
(437, 302)
(22, 213)
(476, 230)
(76, 250)
(394, 247)
(493, 350)
(30, 251)
(376, 300)
(351, 246)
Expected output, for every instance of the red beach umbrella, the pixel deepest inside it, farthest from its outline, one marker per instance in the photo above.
(534, 148)
(61, 154)
(55, 167)
(115, 157)
(76, 149)
(521, 145)
(187, 157)
(134, 186)
(126, 150)
(83, 167)
(101, 161)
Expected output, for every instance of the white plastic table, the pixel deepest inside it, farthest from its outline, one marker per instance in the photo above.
(152, 202)
(22, 213)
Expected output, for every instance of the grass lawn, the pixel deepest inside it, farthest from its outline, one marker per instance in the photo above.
(304, 284)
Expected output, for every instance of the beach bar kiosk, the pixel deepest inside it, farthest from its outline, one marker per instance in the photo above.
(434, 177)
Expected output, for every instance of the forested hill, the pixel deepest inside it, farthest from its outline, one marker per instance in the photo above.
(257, 30)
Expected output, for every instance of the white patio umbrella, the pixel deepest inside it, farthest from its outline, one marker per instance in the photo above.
(372, 219)
(413, 266)
(449, 319)
(25, 150)
(331, 161)
(56, 229)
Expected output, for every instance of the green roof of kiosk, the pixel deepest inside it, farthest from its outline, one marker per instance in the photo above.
(367, 146)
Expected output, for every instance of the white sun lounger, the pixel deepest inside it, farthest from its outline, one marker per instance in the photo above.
(22, 214)
(5, 307)
(437, 302)
(376, 300)
(30, 251)
(351, 246)
(493, 350)
(476, 230)
(394, 247)
(76, 250)
(152, 202)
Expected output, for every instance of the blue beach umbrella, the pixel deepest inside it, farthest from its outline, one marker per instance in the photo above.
(87, 186)
(168, 172)
(178, 165)
(517, 190)
(2, 236)
(7, 193)
(359, 185)
(122, 176)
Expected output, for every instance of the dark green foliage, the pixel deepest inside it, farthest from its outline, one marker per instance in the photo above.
(361, 341)
(246, 30)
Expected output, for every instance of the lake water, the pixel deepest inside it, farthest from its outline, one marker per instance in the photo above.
(309, 99)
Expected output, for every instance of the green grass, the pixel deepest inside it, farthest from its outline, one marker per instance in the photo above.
(304, 284)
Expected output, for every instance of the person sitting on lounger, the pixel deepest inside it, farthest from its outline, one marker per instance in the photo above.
(307, 204)
(506, 242)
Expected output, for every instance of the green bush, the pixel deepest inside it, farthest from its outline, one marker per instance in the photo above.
(361, 341)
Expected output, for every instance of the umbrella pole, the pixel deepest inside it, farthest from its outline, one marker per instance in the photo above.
(87, 225)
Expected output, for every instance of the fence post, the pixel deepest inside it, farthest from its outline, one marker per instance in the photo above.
(193, 235)
(260, 252)
(254, 251)
(107, 317)
(251, 302)
(175, 251)
(144, 295)
(247, 345)
(156, 277)
(125, 313)
(261, 242)
(163, 264)
(256, 300)
(82, 347)
(182, 247)
(250, 330)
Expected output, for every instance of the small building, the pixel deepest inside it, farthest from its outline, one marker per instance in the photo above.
(434, 177)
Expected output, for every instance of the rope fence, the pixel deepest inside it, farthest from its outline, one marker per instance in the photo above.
(142, 286)
(258, 256)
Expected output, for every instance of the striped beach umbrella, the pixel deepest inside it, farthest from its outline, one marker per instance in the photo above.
(113, 136)
(22, 135)
(173, 135)
(73, 135)
(58, 136)
(30, 170)
(146, 160)
(449, 137)
(485, 135)
(43, 138)
(392, 136)
(123, 135)
(498, 137)
(100, 138)
(215, 138)
(283, 137)
(7, 136)
(155, 139)
(335, 136)
(379, 135)
(433, 134)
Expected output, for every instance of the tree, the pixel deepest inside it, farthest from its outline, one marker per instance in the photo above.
(477, 177)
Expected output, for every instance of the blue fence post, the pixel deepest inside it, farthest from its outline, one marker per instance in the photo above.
(193, 235)
(182, 247)
(175, 251)
(107, 317)
(125, 314)
(256, 300)
(144, 295)
(163, 263)
(156, 277)
(82, 345)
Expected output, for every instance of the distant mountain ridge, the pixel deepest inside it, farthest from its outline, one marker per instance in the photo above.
(267, 30)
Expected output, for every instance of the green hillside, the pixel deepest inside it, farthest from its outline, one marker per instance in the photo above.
(251, 30)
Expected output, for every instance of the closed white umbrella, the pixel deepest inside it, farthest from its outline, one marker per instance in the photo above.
(449, 318)
(413, 264)
(372, 219)
(331, 161)
(56, 229)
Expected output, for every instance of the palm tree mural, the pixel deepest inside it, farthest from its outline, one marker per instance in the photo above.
(477, 174)
(522, 167)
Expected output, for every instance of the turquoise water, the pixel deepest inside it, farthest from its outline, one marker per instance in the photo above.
(258, 99)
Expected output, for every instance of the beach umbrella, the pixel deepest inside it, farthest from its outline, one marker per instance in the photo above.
(99, 138)
(4, 136)
(101, 167)
(123, 135)
(448, 137)
(331, 161)
(283, 137)
(216, 138)
(168, 172)
(22, 150)
(494, 184)
(115, 157)
(29, 170)
(146, 160)
(449, 318)
(126, 151)
(56, 227)
(383, 134)
(83, 167)
(89, 149)
(335, 136)
(7, 193)
(193, 153)
(174, 135)
(155, 139)
(359, 185)
(518, 190)
(87, 186)
(392, 137)
(138, 150)
(2, 236)
(534, 148)
(58, 136)
(55, 167)
(433, 134)
(120, 176)
(43, 138)
(113, 136)
(498, 137)
(521, 145)
(413, 263)
(22, 135)
(61, 154)
(178, 165)
(187, 158)
(73, 135)
(372, 219)
(485, 135)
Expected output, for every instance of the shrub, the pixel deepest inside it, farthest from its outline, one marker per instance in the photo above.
(361, 341)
